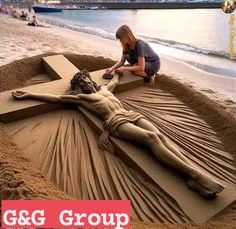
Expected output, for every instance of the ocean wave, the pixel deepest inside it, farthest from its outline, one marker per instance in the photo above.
(111, 35)
(187, 47)
(94, 31)
(79, 28)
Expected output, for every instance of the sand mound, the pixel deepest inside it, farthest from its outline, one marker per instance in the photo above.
(14, 75)
(18, 178)
(222, 121)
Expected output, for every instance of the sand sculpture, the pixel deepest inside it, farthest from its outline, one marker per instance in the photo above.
(107, 76)
(69, 156)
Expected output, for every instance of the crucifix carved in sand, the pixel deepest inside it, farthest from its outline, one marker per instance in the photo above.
(134, 156)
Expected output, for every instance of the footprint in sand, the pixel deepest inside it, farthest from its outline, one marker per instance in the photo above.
(15, 49)
(189, 84)
(30, 49)
(229, 102)
(208, 91)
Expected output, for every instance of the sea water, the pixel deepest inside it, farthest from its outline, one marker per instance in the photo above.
(200, 37)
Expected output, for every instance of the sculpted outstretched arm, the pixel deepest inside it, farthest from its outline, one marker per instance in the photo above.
(113, 83)
(20, 95)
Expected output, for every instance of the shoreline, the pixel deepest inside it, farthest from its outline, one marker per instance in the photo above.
(20, 41)
(139, 5)
(165, 43)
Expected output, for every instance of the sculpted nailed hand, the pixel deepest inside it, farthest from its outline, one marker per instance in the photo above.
(20, 94)
(108, 74)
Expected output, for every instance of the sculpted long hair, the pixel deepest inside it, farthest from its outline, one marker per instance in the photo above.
(75, 83)
(125, 32)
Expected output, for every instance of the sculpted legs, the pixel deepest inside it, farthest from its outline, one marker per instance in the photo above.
(167, 154)
(144, 75)
(143, 123)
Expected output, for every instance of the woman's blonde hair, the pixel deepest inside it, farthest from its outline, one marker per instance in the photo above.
(125, 32)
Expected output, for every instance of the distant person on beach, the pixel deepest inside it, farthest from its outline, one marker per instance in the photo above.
(15, 14)
(5, 10)
(2, 9)
(143, 61)
(30, 9)
(33, 22)
(23, 15)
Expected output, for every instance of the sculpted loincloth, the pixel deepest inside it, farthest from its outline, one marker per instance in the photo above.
(110, 127)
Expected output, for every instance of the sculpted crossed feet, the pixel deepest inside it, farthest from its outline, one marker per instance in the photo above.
(208, 183)
(193, 185)
(205, 185)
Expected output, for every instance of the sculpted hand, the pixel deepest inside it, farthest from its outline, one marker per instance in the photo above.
(108, 74)
(20, 94)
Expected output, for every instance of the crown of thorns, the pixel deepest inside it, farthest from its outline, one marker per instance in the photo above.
(77, 78)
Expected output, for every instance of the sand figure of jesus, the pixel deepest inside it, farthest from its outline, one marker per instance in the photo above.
(129, 126)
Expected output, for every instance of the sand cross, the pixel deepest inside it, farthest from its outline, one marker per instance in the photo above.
(62, 70)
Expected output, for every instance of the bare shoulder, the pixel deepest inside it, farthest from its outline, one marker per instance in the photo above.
(103, 87)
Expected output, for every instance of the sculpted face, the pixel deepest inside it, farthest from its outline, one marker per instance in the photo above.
(86, 85)
(82, 83)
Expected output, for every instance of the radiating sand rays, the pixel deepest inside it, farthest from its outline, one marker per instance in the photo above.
(194, 137)
(65, 148)
(68, 155)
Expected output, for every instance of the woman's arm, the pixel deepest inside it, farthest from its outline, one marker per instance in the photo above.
(117, 65)
(140, 66)
(20, 95)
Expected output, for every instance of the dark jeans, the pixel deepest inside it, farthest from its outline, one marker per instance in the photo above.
(150, 67)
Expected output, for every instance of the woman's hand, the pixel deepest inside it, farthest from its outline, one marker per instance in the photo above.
(109, 71)
(120, 70)
(20, 94)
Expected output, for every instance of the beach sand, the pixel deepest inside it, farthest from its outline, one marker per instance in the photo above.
(18, 41)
